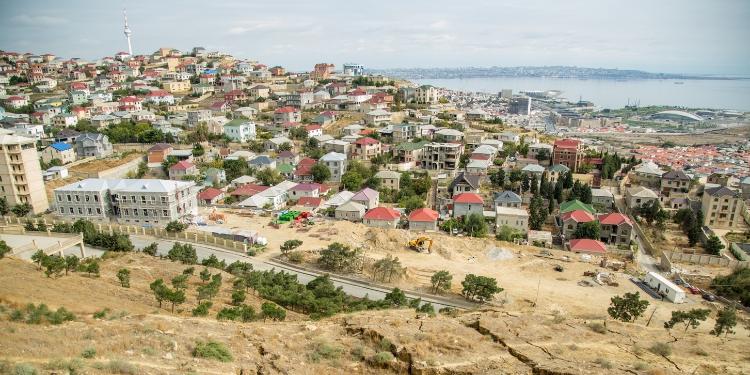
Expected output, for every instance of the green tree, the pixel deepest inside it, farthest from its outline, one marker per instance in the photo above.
(568, 180)
(4, 249)
(590, 230)
(175, 297)
(441, 281)
(180, 282)
(90, 266)
(71, 263)
(508, 234)
(124, 276)
(205, 275)
(38, 257)
(726, 320)
(411, 203)
(691, 318)
(479, 288)
(289, 245)
(396, 297)
(202, 308)
(320, 172)
(339, 258)
(537, 213)
(198, 150)
(21, 210)
(54, 265)
(475, 225)
(268, 176)
(387, 268)
(151, 249)
(272, 311)
(175, 226)
(160, 290)
(4, 209)
(351, 180)
(497, 178)
(714, 245)
(627, 308)
(238, 297)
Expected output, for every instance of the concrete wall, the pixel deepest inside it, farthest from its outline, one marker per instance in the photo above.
(676, 256)
(423, 225)
(121, 171)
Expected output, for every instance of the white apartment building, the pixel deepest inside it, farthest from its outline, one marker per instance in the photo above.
(437, 156)
(336, 163)
(128, 201)
(427, 94)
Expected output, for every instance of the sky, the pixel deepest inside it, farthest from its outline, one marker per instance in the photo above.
(671, 36)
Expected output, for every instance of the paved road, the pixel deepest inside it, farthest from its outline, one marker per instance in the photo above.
(645, 261)
(352, 287)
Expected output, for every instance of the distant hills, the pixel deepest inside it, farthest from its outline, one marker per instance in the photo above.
(531, 71)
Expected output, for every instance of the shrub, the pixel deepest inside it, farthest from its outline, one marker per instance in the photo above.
(323, 350)
(118, 366)
(640, 366)
(381, 358)
(24, 369)
(605, 363)
(73, 366)
(202, 308)
(88, 353)
(212, 350)
(661, 349)
(296, 257)
(101, 314)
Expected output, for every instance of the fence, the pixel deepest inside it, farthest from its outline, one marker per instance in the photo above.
(71, 239)
(676, 256)
(201, 238)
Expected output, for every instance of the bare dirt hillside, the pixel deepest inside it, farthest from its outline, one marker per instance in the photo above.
(138, 337)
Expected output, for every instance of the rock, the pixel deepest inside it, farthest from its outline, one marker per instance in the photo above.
(168, 356)
(310, 327)
(129, 352)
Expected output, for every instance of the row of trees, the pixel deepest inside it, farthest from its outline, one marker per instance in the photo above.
(55, 265)
(630, 307)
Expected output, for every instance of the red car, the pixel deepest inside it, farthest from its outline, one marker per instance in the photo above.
(694, 290)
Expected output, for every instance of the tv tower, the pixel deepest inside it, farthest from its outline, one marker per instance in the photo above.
(127, 32)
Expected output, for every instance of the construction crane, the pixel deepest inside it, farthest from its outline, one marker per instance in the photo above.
(421, 244)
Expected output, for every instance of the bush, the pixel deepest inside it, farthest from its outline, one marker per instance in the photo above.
(212, 350)
(24, 369)
(184, 253)
(382, 358)
(605, 363)
(175, 227)
(661, 349)
(202, 308)
(296, 257)
(323, 350)
(117, 366)
(73, 366)
(101, 313)
(42, 314)
(88, 353)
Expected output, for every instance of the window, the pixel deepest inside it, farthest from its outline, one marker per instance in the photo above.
(78, 198)
(163, 199)
(62, 210)
(69, 198)
(164, 213)
(71, 210)
(145, 212)
(96, 198)
(132, 198)
(80, 211)
(98, 211)
(59, 198)
(90, 211)
(88, 198)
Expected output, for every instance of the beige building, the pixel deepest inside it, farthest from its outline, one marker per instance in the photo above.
(63, 152)
(722, 208)
(389, 179)
(515, 218)
(441, 156)
(176, 86)
(20, 173)
(427, 94)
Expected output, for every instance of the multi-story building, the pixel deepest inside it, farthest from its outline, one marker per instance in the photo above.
(648, 174)
(568, 152)
(675, 186)
(93, 144)
(520, 106)
(722, 208)
(366, 148)
(287, 114)
(616, 229)
(129, 201)
(441, 156)
(59, 151)
(20, 173)
(514, 218)
(410, 153)
(197, 116)
(336, 163)
(427, 94)
(322, 71)
(352, 69)
(240, 130)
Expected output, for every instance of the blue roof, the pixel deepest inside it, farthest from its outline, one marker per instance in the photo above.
(60, 146)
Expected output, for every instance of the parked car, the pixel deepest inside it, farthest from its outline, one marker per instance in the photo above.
(709, 297)
(694, 290)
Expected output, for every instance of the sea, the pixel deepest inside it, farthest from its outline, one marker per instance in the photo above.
(728, 94)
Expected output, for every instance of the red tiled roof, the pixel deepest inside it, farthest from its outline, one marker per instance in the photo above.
(479, 157)
(286, 109)
(310, 201)
(468, 198)
(366, 141)
(129, 99)
(209, 193)
(159, 93)
(182, 165)
(614, 219)
(306, 187)
(307, 161)
(585, 245)
(303, 170)
(423, 214)
(14, 98)
(567, 143)
(312, 127)
(382, 213)
(160, 147)
(249, 189)
(580, 216)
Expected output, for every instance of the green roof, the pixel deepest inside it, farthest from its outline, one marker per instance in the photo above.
(236, 122)
(285, 168)
(576, 205)
(409, 146)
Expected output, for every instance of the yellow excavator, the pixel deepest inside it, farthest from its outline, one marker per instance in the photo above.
(421, 244)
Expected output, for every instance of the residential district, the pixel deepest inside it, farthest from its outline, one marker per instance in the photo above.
(205, 148)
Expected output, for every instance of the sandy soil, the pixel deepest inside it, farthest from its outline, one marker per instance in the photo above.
(529, 280)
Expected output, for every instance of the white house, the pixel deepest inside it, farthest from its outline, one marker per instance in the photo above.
(240, 130)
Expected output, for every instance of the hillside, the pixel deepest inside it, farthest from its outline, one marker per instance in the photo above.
(136, 336)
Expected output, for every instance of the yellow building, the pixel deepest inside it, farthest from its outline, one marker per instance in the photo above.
(176, 86)
(722, 208)
(20, 173)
